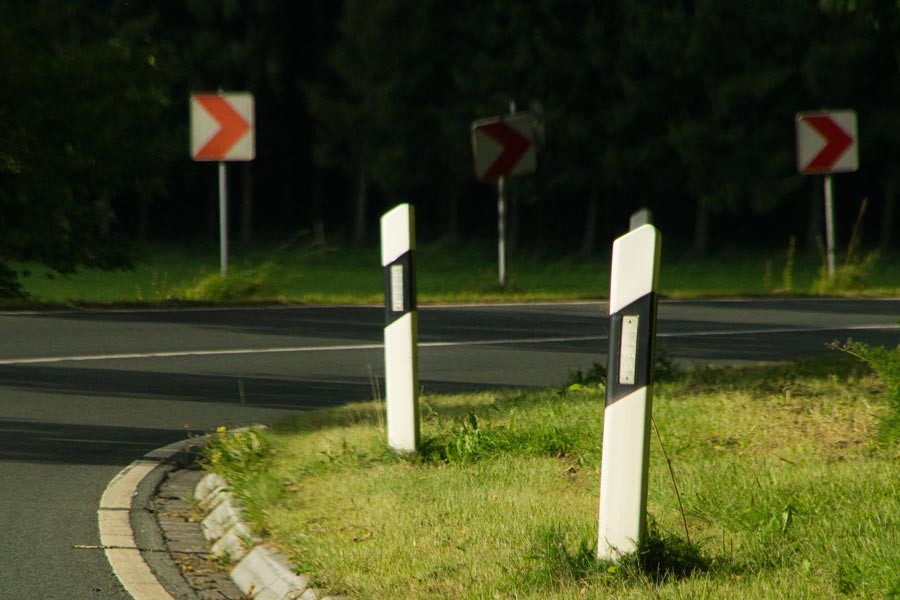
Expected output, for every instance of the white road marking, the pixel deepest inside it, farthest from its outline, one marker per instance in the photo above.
(378, 346)
(779, 330)
(116, 534)
(297, 307)
(182, 353)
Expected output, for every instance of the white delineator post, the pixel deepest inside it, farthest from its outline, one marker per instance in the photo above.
(401, 355)
(629, 386)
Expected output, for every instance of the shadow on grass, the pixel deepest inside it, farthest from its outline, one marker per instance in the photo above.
(767, 377)
(661, 558)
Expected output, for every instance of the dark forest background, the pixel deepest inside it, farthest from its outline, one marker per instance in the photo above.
(685, 107)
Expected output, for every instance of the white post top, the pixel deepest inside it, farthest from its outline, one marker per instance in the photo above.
(635, 267)
(398, 234)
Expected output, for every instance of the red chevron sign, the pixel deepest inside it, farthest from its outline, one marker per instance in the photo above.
(222, 127)
(826, 142)
(504, 146)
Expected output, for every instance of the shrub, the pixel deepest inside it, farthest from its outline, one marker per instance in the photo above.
(244, 284)
(852, 275)
(235, 454)
(471, 440)
(10, 287)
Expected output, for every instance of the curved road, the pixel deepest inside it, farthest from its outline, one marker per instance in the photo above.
(82, 394)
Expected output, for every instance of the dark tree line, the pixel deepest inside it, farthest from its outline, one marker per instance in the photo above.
(684, 107)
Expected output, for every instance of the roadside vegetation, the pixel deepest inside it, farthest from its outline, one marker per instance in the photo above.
(788, 482)
(312, 274)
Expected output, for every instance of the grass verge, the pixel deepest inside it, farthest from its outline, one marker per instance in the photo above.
(787, 492)
(445, 273)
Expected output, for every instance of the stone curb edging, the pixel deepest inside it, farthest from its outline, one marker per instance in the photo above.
(261, 572)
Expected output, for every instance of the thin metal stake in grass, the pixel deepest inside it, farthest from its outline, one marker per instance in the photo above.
(376, 396)
(687, 534)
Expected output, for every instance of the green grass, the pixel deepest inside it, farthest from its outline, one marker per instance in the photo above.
(787, 492)
(445, 273)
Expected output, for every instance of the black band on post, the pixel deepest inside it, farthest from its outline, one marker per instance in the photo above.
(629, 372)
(399, 288)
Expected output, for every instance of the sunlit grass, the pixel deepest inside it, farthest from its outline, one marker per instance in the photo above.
(787, 492)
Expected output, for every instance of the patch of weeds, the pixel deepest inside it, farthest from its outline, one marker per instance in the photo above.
(240, 284)
(474, 437)
(787, 274)
(577, 378)
(886, 363)
(775, 547)
(349, 455)
(243, 458)
(894, 591)
(848, 578)
(850, 276)
(10, 286)
(469, 441)
(548, 439)
(223, 559)
(236, 454)
(857, 269)
(160, 285)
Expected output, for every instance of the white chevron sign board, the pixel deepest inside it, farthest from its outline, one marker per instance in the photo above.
(827, 142)
(401, 354)
(629, 387)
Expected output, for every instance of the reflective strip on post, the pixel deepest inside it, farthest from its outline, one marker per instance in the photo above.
(629, 386)
(401, 356)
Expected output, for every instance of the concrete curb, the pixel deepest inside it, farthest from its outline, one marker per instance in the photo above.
(261, 572)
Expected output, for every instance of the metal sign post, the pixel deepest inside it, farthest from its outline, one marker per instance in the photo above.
(223, 219)
(629, 386)
(644, 216)
(829, 225)
(501, 231)
(401, 354)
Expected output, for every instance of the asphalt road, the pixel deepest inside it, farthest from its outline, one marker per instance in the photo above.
(84, 394)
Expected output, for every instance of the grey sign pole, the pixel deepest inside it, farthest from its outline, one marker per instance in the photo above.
(829, 224)
(223, 219)
(501, 230)
(501, 217)
(640, 217)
